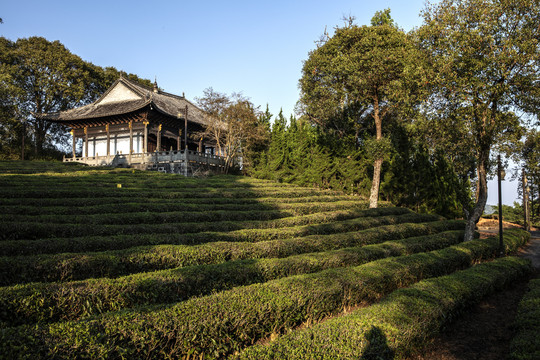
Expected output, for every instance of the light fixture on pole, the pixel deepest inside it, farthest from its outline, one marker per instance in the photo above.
(500, 176)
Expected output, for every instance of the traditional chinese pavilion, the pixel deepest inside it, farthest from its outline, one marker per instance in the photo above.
(132, 125)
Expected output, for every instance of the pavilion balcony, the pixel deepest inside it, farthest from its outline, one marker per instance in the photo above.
(179, 159)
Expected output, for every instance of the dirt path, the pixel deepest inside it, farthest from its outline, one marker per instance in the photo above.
(485, 332)
(532, 250)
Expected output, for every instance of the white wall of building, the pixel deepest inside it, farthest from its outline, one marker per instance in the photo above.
(118, 145)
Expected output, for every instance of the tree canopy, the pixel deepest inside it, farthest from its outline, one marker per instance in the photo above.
(234, 124)
(359, 72)
(485, 55)
(530, 155)
(40, 76)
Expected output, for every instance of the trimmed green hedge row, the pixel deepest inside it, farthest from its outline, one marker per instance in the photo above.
(40, 302)
(36, 166)
(111, 188)
(321, 226)
(221, 324)
(526, 343)
(116, 242)
(178, 194)
(399, 324)
(206, 213)
(150, 177)
(65, 267)
(258, 228)
(138, 179)
(75, 203)
(167, 206)
(95, 173)
(154, 190)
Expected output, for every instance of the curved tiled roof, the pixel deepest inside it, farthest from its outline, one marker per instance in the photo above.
(124, 97)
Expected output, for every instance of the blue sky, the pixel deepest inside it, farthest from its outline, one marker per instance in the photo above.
(253, 47)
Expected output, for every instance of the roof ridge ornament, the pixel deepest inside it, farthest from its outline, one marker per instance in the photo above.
(156, 89)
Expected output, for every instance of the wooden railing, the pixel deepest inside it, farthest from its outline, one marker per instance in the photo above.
(173, 156)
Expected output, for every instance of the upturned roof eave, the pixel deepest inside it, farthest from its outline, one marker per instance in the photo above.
(64, 116)
(159, 101)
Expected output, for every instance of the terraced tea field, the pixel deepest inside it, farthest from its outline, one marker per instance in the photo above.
(100, 263)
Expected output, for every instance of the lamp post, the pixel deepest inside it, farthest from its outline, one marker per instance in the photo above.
(500, 176)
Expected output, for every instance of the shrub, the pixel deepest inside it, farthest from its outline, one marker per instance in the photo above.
(184, 213)
(400, 323)
(18, 212)
(526, 343)
(37, 230)
(76, 202)
(62, 267)
(66, 301)
(115, 242)
(223, 323)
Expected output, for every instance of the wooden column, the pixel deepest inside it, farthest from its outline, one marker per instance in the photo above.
(86, 141)
(185, 128)
(200, 145)
(130, 141)
(158, 147)
(108, 142)
(145, 143)
(179, 140)
(74, 143)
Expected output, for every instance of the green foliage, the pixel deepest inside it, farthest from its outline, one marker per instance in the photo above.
(530, 155)
(220, 324)
(360, 72)
(40, 76)
(378, 148)
(280, 256)
(513, 214)
(22, 227)
(42, 302)
(423, 180)
(526, 343)
(413, 177)
(485, 58)
(341, 77)
(240, 245)
(383, 17)
(399, 324)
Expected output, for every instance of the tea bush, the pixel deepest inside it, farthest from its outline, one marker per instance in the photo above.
(526, 342)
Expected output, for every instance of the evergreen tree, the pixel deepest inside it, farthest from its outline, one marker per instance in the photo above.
(277, 151)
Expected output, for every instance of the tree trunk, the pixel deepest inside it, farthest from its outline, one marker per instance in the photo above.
(40, 140)
(377, 165)
(526, 214)
(533, 214)
(374, 197)
(481, 198)
(41, 128)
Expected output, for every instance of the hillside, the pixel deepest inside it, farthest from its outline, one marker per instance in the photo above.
(103, 263)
